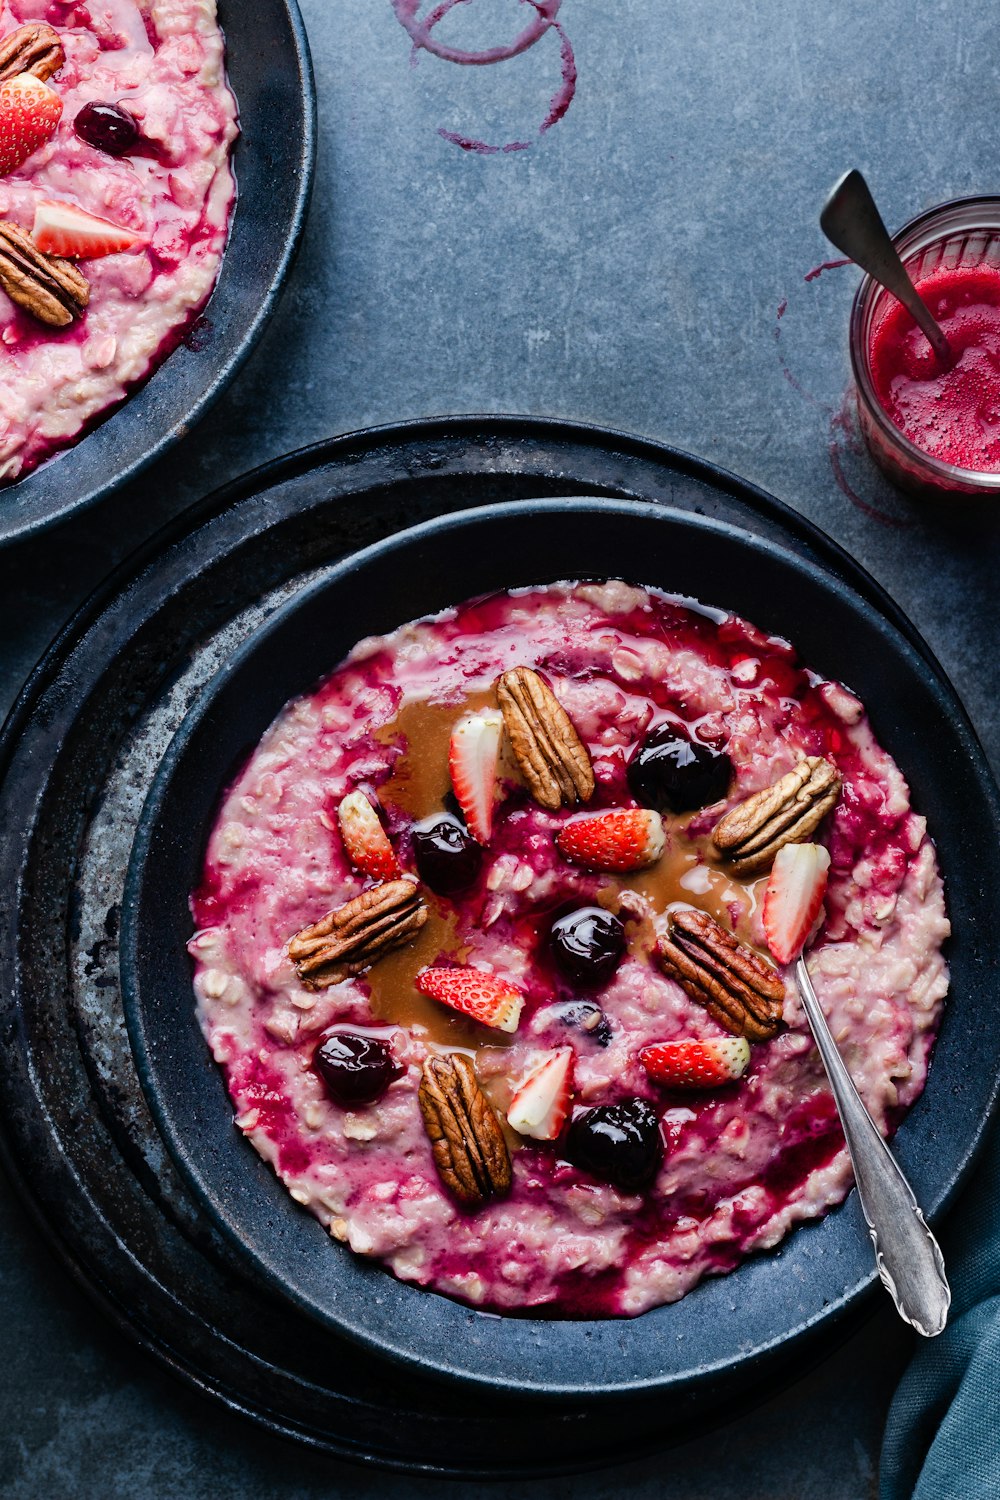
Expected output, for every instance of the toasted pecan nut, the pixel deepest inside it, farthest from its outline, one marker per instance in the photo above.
(750, 834)
(738, 989)
(551, 756)
(34, 48)
(349, 939)
(466, 1137)
(48, 287)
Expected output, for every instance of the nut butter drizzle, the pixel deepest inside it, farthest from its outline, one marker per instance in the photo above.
(417, 788)
(422, 729)
(689, 873)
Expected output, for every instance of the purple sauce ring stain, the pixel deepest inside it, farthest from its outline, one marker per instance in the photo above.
(421, 34)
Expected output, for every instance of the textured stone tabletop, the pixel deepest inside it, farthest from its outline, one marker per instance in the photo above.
(644, 264)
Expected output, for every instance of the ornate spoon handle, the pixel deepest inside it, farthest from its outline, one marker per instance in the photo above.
(907, 1255)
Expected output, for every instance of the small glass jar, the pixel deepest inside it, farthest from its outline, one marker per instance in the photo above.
(964, 232)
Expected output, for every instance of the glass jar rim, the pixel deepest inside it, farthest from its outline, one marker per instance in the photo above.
(920, 232)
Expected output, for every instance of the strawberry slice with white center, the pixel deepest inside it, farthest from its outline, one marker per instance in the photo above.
(63, 229)
(472, 761)
(365, 840)
(624, 838)
(541, 1104)
(483, 997)
(697, 1064)
(794, 898)
(29, 112)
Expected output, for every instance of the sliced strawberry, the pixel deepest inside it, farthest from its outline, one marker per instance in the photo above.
(472, 760)
(541, 1104)
(483, 997)
(627, 838)
(29, 113)
(794, 898)
(697, 1064)
(62, 229)
(366, 841)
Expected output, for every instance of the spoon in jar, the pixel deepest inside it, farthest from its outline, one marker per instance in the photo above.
(907, 1256)
(852, 223)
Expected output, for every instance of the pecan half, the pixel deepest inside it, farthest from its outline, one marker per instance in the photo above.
(349, 939)
(739, 990)
(34, 48)
(751, 833)
(551, 756)
(48, 287)
(468, 1143)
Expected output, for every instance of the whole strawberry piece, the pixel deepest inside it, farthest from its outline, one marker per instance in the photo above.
(794, 898)
(483, 997)
(627, 838)
(541, 1104)
(472, 761)
(697, 1064)
(365, 840)
(29, 113)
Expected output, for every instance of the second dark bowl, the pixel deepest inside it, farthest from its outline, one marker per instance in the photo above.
(267, 60)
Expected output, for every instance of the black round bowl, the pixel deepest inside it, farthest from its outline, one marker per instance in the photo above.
(737, 1325)
(267, 58)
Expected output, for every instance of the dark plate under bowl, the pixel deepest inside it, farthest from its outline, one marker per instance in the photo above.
(736, 1324)
(267, 58)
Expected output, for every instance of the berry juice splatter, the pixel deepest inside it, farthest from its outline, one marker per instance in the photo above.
(543, 19)
(825, 265)
(950, 410)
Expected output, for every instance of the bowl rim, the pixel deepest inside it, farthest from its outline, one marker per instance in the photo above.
(135, 1018)
(41, 513)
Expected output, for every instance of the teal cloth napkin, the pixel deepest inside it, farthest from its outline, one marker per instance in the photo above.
(942, 1439)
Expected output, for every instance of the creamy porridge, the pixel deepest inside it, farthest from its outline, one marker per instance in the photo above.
(463, 893)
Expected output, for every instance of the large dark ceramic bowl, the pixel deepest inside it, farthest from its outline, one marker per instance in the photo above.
(749, 1318)
(267, 59)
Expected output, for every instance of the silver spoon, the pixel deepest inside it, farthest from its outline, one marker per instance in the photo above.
(850, 220)
(907, 1255)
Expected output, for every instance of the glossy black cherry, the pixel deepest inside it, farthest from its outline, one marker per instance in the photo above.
(108, 127)
(587, 944)
(618, 1143)
(671, 772)
(448, 858)
(356, 1069)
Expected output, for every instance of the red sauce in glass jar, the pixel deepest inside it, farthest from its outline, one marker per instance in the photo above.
(950, 410)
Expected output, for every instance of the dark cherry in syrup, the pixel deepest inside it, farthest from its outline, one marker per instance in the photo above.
(671, 772)
(108, 127)
(356, 1069)
(447, 856)
(587, 944)
(619, 1143)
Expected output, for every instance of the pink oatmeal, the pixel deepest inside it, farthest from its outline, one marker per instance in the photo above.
(163, 61)
(741, 1162)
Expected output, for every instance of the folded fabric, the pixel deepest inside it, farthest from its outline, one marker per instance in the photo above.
(942, 1438)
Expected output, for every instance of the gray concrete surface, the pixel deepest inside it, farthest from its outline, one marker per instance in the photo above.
(629, 270)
